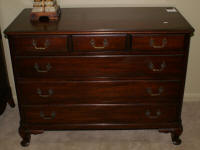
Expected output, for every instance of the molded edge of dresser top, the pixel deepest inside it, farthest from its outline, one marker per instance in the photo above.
(102, 20)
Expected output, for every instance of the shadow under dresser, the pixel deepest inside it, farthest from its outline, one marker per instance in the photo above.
(101, 68)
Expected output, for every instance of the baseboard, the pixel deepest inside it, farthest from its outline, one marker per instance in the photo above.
(15, 99)
(192, 97)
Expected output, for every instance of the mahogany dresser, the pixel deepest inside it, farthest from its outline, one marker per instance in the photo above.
(101, 68)
(5, 91)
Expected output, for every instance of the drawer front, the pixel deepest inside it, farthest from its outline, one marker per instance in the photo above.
(99, 42)
(91, 114)
(98, 92)
(40, 45)
(120, 66)
(158, 42)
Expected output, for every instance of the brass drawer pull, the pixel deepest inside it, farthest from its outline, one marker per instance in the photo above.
(45, 117)
(152, 43)
(160, 91)
(157, 115)
(37, 68)
(162, 67)
(105, 43)
(46, 44)
(50, 93)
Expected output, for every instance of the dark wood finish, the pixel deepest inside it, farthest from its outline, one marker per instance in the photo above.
(175, 134)
(106, 68)
(91, 114)
(42, 45)
(5, 91)
(99, 92)
(158, 42)
(140, 67)
(104, 20)
(25, 135)
(99, 42)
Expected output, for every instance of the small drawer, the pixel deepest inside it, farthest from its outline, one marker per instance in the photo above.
(99, 42)
(90, 114)
(95, 92)
(47, 45)
(157, 42)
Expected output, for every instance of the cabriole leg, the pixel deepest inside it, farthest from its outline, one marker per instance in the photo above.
(175, 135)
(26, 137)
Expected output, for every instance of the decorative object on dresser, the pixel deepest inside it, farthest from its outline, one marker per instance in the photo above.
(5, 91)
(111, 68)
(45, 10)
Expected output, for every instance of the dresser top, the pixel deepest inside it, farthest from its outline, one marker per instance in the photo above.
(105, 20)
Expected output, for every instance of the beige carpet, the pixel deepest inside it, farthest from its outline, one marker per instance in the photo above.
(103, 140)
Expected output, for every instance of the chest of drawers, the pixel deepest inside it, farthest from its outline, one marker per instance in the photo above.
(101, 68)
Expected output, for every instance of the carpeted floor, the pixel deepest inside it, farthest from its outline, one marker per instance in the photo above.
(103, 140)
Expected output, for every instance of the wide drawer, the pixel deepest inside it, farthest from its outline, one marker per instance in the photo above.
(99, 42)
(90, 114)
(109, 66)
(98, 92)
(43, 45)
(158, 42)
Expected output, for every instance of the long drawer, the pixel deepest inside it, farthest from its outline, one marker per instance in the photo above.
(142, 67)
(90, 114)
(98, 92)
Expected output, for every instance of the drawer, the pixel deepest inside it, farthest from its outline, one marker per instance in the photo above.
(98, 92)
(46, 45)
(158, 42)
(99, 42)
(91, 114)
(141, 67)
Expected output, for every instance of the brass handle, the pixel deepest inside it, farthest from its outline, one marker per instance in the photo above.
(39, 92)
(37, 68)
(46, 44)
(160, 91)
(45, 117)
(152, 43)
(105, 43)
(162, 67)
(148, 114)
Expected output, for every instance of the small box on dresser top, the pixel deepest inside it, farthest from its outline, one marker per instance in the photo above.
(113, 68)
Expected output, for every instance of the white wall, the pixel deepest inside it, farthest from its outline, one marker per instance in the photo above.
(9, 9)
